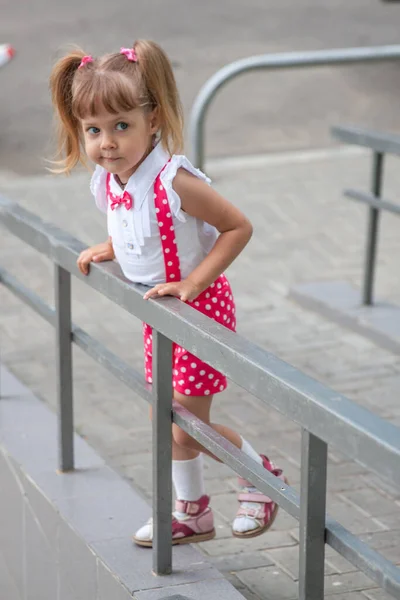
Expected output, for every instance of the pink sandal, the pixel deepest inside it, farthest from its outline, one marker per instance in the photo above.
(196, 526)
(265, 510)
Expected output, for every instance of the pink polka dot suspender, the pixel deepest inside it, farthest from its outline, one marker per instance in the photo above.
(167, 232)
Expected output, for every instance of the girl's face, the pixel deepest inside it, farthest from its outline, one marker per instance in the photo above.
(119, 142)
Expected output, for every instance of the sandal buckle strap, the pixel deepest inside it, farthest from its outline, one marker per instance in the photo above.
(191, 507)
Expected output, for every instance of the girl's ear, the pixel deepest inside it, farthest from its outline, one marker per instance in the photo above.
(154, 120)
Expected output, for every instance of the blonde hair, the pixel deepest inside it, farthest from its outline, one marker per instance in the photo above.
(118, 85)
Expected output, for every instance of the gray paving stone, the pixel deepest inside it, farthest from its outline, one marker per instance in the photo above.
(377, 595)
(341, 483)
(270, 583)
(391, 521)
(340, 301)
(371, 501)
(222, 486)
(238, 562)
(352, 518)
(222, 528)
(382, 539)
(219, 588)
(242, 588)
(350, 596)
(225, 505)
(216, 470)
(337, 563)
(347, 582)
(284, 522)
(274, 539)
(287, 559)
(348, 469)
(392, 553)
(10, 385)
(105, 516)
(120, 554)
(248, 594)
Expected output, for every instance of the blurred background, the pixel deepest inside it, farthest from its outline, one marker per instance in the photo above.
(304, 231)
(257, 113)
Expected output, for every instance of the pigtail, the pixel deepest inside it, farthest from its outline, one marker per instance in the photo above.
(159, 80)
(68, 134)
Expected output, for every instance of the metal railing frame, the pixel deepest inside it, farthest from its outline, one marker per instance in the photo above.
(273, 62)
(380, 144)
(325, 416)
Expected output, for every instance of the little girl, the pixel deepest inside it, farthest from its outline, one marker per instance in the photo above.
(122, 111)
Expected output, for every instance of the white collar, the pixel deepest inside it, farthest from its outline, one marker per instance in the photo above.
(140, 182)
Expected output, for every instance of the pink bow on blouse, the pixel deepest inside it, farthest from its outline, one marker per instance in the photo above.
(126, 199)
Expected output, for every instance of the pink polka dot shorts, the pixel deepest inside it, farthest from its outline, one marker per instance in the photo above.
(191, 376)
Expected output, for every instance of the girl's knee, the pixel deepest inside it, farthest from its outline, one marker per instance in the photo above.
(183, 439)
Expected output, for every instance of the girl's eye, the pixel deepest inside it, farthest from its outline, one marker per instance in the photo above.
(93, 130)
(121, 126)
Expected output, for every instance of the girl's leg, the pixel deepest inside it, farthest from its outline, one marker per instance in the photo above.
(256, 511)
(201, 407)
(187, 463)
(193, 519)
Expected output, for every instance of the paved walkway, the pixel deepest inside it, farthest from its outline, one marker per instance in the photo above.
(304, 231)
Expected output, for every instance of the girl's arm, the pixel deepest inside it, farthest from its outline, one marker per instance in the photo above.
(200, 200)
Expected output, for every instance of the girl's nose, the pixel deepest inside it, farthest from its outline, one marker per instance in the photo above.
(107, 142)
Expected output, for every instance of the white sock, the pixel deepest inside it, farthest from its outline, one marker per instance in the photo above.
(187, 477)
(243, 523)
(249, 450)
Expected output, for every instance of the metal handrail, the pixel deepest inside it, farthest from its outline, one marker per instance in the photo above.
(383, 142)
(285, 60)
(380, 144)
(333, 417)
(325, 415)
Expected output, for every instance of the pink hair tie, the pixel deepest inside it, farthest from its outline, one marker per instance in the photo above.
(85, 60)
(129, 53)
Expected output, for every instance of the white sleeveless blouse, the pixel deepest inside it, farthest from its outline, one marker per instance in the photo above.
(135, 233)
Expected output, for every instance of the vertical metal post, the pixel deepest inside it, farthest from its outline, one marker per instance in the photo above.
(162, 454)
(196, 132)
(372, 231)
(312, 517)
(62, 280)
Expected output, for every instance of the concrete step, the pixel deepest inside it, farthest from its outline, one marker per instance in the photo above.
(71, 532)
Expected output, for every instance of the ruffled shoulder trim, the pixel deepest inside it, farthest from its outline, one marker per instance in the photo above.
(98, 188)
(167, 177)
